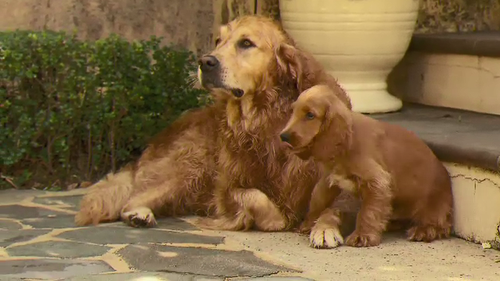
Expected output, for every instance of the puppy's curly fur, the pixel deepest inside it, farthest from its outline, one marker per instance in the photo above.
(226, 159)
(394, 173)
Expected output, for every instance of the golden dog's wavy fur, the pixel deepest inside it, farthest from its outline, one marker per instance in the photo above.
(225, 159)
(395, 174)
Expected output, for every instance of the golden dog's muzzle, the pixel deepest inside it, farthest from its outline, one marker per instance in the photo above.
(209, 74)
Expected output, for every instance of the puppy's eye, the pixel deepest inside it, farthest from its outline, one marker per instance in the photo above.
(217, 42)
(310, 116)
(245, 44)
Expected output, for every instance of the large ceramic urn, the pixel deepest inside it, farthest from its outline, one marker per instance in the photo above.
(357, 41)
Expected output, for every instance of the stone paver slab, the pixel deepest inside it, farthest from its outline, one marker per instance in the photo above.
(9, 225)
(13, 196)
(51, 269)
(23, 212)
(197, 261)
(53, 221)
(58, 249)
(72, 201)
(143, 276)
(129, 235)
(8, 237)
(165, 223)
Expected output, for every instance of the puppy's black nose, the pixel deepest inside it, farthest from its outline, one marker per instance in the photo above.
(208, 63)
(285, 137)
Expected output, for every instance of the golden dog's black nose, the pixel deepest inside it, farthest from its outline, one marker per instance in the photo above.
(208, 63)
(285, 137)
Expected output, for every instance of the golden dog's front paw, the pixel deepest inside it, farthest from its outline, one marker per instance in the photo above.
(325, 237)
(357, 239)
(140, 217)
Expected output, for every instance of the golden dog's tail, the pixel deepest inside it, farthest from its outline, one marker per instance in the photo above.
(105, 199)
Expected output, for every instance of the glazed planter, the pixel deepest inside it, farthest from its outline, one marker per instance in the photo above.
(357, 41)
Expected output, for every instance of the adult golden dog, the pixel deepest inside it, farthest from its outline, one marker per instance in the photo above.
(393, 171)
(226, 159)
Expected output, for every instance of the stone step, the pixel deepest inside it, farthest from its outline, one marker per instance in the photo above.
(456, 70)
(469, 145)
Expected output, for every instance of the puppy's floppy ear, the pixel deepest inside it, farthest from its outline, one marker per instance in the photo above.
(296, 65)
(335, 135)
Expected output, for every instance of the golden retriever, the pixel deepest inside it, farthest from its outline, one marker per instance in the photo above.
(394, 173)
(225, 160)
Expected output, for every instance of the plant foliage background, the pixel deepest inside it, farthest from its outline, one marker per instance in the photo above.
(71, 111)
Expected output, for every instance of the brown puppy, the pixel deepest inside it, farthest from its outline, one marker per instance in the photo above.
(395, 174)
(225, 159)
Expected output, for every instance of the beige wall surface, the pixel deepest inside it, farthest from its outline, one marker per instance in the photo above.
(448, 80)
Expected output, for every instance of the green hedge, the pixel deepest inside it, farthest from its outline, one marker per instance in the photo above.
(71, 110)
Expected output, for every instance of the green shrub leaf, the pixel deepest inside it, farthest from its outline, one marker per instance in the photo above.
(73, 110)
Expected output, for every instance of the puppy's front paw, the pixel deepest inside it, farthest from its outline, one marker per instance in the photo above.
(357, 239)
(325, 237)
(140, 217)
(427, 233)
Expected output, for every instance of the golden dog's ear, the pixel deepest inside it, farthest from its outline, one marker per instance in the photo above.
(296, 65)
(335, 135)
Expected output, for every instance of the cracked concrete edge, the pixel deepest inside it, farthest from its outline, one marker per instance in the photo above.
(476, 180)
(477, 212)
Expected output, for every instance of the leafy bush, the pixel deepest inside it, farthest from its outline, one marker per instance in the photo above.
(71, 110)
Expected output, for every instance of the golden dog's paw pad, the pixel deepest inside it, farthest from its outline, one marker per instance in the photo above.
(357, 239)
(142, 217)
(328, 238)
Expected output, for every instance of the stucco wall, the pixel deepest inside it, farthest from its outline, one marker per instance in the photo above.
(188, 23)
(182, 22)
(458, 15)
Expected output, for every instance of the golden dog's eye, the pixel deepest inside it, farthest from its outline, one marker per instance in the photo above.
(217, 42)
(245, 44)
(310, 116)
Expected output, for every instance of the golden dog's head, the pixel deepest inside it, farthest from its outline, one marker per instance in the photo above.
(320, 124)
(252, 54)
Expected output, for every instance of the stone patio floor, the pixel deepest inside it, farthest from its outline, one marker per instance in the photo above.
(39, 241)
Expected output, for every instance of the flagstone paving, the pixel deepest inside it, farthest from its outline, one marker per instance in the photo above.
(39, 241)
